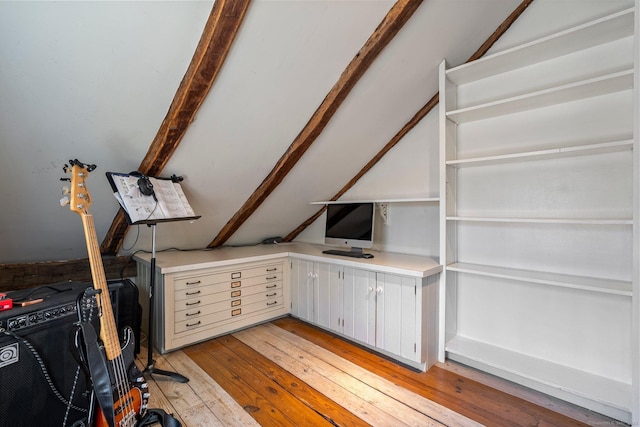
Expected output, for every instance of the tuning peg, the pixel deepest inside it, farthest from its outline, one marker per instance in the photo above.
(65, 190)
(64, 201)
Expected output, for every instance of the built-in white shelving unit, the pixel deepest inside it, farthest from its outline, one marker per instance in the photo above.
(604, 30)
(608, 286)
(550, 153)
(539, 215)
(600, 85)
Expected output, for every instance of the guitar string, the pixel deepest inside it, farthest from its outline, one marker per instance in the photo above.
(130, 413)
(120, 367)
(117, 363)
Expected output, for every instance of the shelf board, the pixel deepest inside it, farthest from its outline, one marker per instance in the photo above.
(409, 200)
(603, 30)
(583, 221)
(596, 86)
(551, 153)
(592, 284)
(543, 375)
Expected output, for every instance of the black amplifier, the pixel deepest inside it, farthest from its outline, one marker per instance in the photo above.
(41, 383)
(51, 303)
(46, 304)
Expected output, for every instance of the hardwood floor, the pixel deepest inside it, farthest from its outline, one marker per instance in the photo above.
(289, 373)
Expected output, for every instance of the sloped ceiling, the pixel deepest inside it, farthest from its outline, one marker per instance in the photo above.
(93, 81)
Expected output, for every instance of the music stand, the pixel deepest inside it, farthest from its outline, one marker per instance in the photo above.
(118, 181)
(150, 367)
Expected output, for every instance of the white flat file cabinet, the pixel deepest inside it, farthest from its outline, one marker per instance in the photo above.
(201, 303)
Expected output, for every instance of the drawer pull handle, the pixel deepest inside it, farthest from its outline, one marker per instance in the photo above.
(193, 293)
(272, 295)
(189, 325)
(192, 314)
(271, 286)
(272, 303)
(235, 294)
(236, 312)
(272, 269)
(197, 282)
(193, 303)
(272, 277)
(236, 284)
(236, 275)
(236, 302)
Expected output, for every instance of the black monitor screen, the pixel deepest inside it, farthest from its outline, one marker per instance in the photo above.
(353, 221)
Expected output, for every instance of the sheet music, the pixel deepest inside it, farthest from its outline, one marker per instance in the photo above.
(169, 202)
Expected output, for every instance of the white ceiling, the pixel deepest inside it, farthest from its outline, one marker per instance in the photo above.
(94, 80)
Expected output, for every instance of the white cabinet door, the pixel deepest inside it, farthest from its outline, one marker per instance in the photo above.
(302, 288)
(359, 305)
(336, 298)
(326, 277)
(317, 293)
(396, 326)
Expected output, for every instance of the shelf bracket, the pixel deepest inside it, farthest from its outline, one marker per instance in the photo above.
(384, 212)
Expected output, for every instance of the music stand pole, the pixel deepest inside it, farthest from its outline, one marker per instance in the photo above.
(151, 369)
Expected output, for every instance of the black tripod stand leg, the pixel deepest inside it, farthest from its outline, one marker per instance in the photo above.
(174, 375)
(150, 369)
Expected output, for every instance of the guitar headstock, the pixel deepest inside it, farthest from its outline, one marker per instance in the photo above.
(79, 198)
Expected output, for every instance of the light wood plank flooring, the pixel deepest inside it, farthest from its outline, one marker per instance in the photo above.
(288, 373)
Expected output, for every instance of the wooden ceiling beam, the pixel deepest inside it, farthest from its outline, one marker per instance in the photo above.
(214, 45)
(395, 19)
(502, 28)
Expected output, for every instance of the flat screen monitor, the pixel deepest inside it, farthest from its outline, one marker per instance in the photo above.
(350, 224)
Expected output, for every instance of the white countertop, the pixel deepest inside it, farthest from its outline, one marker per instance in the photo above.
(177, 261)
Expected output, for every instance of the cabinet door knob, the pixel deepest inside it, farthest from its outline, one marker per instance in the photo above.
(379, 290)
(370, 288)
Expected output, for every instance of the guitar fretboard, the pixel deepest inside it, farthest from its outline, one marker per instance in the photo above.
(108, 330)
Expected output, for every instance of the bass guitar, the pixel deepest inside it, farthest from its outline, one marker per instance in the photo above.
(126, 381)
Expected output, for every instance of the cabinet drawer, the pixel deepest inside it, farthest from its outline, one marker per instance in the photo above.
(202, 320)
(252, 275)
(265, 288)
(202, 290)
(195, 298)
(221, 301)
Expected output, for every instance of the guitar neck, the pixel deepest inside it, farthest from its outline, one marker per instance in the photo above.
(108, 330)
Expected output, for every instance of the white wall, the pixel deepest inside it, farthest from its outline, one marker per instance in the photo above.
(408, 171)
(86, 80)
(94, 80)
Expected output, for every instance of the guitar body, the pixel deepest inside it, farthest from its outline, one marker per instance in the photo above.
(128, 406)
